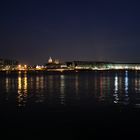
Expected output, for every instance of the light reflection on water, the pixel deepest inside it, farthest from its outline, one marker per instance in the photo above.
(76, 85)
(62, 89)
(116, 88)
(126, 83)
(126, 87)
(40, 89)
(7, 82)
(22, 89)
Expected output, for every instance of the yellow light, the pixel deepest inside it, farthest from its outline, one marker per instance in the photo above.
(25, 66)
(19, 67)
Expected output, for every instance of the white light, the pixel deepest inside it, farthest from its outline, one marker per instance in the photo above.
(116, 84)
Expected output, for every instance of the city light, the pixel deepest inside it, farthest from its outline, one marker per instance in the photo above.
(25, 66)
(57, 65)
(22, 67)
(19, 67)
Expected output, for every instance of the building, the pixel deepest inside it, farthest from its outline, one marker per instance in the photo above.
(91, 65)
(50, 61)
(87, 64)
(7, 64)
(55, 64)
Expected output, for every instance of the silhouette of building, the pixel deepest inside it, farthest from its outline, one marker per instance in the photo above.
(7, 64)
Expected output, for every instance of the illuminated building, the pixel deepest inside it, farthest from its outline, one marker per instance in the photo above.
(91, 65)
(87, 65)
(50, 60)
(7, 64)
(22, 67)
(56, 61)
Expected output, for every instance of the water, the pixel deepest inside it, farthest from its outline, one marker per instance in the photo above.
(84, 100)
(115, 87)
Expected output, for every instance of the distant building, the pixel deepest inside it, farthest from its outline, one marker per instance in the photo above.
(10, 62)
(54, 64)
(7, 64)
(50, 60)
(1, 61)
(87, 64)
(56, 61)
(101, 65)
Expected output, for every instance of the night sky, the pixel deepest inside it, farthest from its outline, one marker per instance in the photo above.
(98, 30)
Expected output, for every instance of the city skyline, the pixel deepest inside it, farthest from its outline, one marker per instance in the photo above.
(31, 31)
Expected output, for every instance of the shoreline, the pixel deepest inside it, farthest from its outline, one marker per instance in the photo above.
(65, 71)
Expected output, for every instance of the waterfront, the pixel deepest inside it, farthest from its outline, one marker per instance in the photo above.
(95, 100)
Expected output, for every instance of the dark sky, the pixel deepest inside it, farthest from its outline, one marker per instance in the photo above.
(102, 30)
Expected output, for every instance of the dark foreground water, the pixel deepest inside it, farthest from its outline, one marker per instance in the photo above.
(91, 103)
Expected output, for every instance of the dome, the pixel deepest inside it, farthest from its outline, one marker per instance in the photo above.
(50, 60)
